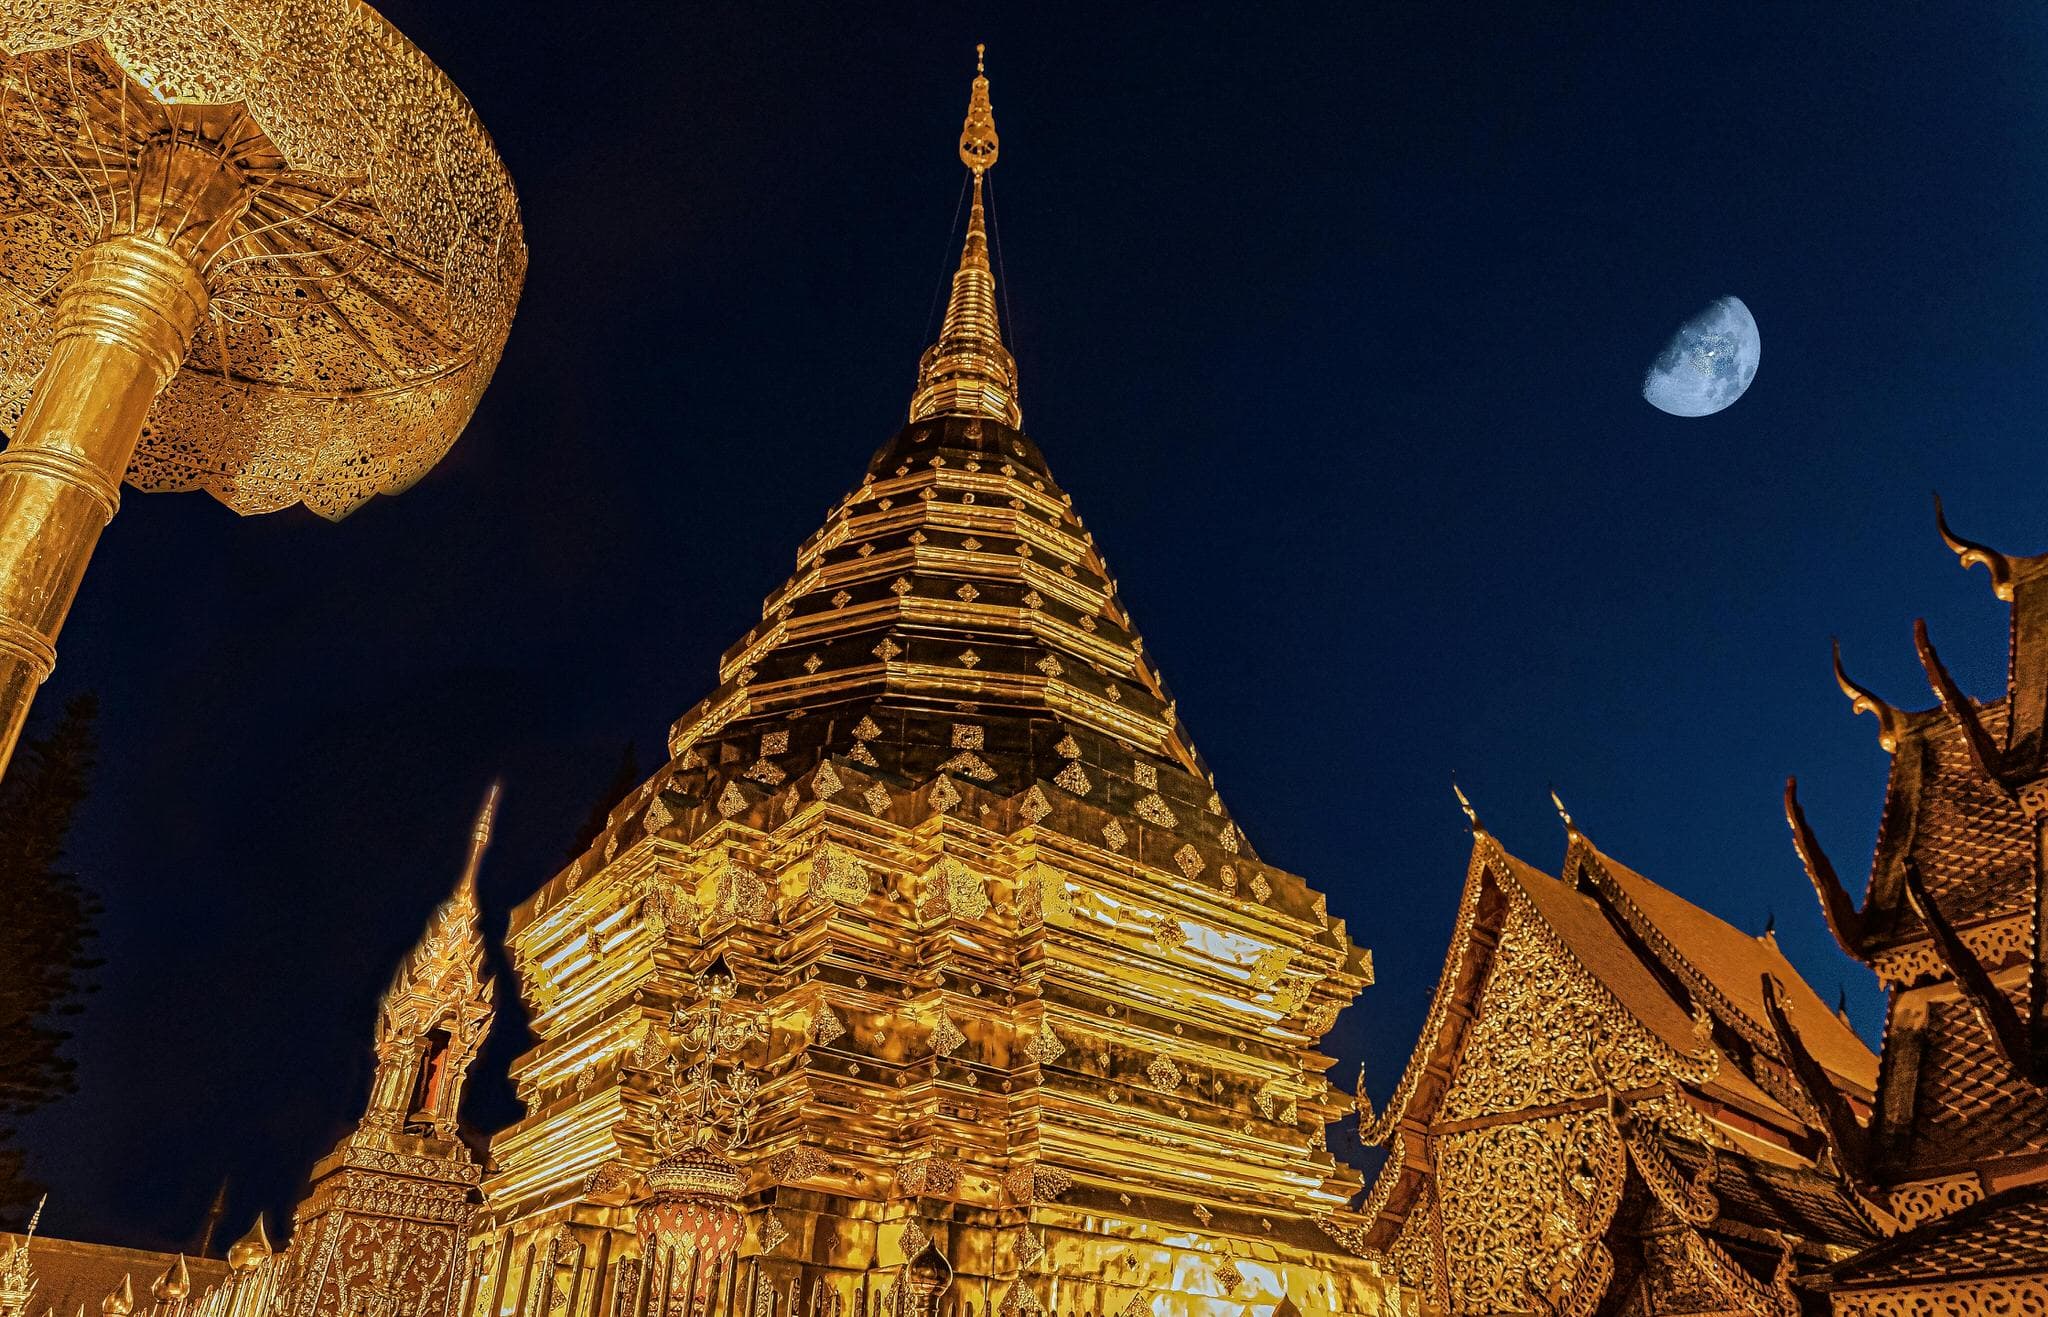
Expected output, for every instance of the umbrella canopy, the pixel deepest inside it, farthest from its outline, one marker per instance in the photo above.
(357, 304)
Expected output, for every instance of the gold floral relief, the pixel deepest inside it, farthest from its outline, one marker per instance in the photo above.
(1523, 1206)
(1546, 1033)
(1417, 1258)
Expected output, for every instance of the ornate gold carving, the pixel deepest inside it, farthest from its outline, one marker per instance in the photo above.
(1417, 1257)
(2017, 1296)
(1046, 1047)
(969, 765)
(797, 1164)
(1545, 1034)
(1270, 965)
(1994, 943)
(1523, 1207)
(837, 877)
(826, 1026)
(356, 306)
(1153, 810)
(946, 1036)
(1925, 1200)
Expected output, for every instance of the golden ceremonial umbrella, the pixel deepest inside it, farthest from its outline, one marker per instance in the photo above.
(261, 248)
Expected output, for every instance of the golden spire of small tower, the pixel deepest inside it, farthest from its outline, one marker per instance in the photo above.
(17, 1273)
(969, 372)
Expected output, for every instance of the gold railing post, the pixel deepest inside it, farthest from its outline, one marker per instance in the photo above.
(123, 324)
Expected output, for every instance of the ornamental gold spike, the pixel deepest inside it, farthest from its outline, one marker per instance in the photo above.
(262, 250)
(968, 371)
(251, 1250)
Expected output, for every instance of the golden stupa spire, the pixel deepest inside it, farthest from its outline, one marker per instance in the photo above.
(969, 372)
(479, 838)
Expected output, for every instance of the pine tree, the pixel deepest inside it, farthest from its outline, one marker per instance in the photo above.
(46, 927)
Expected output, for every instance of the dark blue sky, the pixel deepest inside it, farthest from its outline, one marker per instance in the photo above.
(1332, 322)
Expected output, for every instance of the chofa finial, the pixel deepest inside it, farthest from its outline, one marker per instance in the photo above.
(1972, 554)
(1471, 814)
(1889, 720)
(1563, 813)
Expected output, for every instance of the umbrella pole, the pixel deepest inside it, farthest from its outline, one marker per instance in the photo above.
(123, 324)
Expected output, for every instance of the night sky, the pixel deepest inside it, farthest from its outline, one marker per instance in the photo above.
(1333, 324)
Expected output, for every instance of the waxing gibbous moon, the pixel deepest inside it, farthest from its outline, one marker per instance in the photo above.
(1708, 363)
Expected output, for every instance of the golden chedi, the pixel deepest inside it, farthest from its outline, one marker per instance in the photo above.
(1030, 1025)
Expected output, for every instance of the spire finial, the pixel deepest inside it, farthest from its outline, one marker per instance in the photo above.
(479, 838)
(980, 49)
(978, 141)
(969, 372)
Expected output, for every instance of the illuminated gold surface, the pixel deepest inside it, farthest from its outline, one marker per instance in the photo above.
(17, 1270)
(382, 1227)
(1028, 1025)
(968, 371)
(259, 249)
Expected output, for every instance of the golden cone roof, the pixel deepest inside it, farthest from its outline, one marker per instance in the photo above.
(968, 371)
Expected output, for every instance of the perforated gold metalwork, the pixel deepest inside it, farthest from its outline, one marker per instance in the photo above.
(358, 304)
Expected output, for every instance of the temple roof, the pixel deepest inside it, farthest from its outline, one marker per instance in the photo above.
(1715, 959)
(1692, 985)
(2006, 1234)
(1953, 884)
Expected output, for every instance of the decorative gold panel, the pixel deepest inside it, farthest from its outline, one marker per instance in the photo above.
(1523, 1207)
(359, 307)
(1545, 1034)
(2025, 1296)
